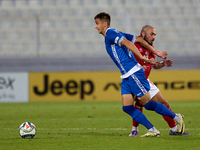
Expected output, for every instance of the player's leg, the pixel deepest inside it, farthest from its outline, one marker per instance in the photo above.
(135, 125)
(172, 124)
(163, 110)
(127, 101)
(159, 98)
(138, 116)
(140, 87)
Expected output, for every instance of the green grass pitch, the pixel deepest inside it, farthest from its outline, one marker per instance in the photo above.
(92, 126)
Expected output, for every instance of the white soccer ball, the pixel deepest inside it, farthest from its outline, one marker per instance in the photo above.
(27, 130)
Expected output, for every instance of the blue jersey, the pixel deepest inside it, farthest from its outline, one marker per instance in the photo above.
(133, 75)
(121, 56)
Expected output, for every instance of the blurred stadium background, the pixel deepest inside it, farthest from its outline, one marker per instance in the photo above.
(59, 35)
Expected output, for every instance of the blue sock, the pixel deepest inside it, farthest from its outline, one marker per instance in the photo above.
(137, 115)
(159, 108)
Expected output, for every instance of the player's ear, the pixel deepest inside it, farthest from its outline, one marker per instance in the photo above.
(142, 33)
(105, 24)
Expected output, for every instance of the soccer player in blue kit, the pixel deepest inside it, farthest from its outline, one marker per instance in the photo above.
(119, 46)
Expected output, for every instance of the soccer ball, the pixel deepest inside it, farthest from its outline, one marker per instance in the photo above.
(27, 130)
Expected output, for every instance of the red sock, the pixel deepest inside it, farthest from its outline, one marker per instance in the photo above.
(169, 120)
(139, 107)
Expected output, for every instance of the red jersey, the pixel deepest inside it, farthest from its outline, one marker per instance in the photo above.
(146, 53)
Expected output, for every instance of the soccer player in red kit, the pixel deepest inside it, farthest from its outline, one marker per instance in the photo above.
(148, 33)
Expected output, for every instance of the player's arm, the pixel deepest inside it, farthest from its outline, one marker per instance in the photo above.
(134, 49)
(144, 44)
(166, 62)
(158, 65)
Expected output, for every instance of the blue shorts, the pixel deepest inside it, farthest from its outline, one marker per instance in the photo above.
(135, 84)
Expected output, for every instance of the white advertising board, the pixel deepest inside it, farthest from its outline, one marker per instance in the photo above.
(14, 87)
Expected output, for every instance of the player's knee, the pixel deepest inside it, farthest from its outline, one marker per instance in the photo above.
(134, 113)
(155, 106)
(151, 105)
(128, 109)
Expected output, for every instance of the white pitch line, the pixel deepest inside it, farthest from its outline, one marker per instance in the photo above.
(115, 129)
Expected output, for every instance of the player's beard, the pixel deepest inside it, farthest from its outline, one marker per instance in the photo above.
(147, 40)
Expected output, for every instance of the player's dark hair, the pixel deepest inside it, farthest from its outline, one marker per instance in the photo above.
(103, 16)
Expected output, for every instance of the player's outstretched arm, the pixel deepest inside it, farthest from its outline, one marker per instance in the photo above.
(144, 44)
(166, 62)
(134, 49)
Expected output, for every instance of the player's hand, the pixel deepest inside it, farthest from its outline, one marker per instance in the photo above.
(161, 53)
(167, 62)
(151, 61)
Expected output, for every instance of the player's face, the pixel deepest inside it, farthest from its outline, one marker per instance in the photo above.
(99, 26)
(150, 35)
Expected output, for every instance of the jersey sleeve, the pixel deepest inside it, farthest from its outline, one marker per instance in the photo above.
(130, 37)
(114, 36)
